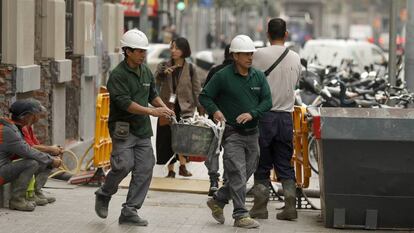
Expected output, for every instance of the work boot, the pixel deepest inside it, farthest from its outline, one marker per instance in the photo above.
(20, 203)
(19, 187)
(261, 197)
(41, 179)
(101, 205)
(41, 195)
(246, 222)
(183, 171)
(132, 220)
(216, 210)
(289, 211)
(38, 200)
(213, 187)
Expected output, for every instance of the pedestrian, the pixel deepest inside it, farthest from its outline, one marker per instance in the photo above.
(26, 129)
(32, 162)
(283, 70)
(166, 35)
(222, 41)
(173, 30)
(239, 95)
(212, 162)
(179, 87)
(209, 40)
(131, 88)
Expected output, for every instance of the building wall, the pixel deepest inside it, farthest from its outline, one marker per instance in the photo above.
(64, 81)
(73, 101)
(6, 88)
(43, 127)
(333, 18)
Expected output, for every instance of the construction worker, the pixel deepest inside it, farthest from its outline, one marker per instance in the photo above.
(131, 88)
(276, 126)
(212, 162)
(25, 127)
(33, 162)
(238, 95)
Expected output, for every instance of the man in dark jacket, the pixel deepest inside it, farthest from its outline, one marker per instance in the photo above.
(239, 95)
(33, 162)
(131, 88)
(26, 128)
(227, 61)
(212, 163)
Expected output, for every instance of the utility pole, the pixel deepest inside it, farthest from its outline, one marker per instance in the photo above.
(409, 46)
(264, 22)
(392, 43)
(143, 18)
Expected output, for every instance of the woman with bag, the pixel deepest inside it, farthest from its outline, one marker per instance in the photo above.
(179, 88)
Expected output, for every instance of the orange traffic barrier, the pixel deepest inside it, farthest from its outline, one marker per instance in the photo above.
(300, 157)
(103, 144)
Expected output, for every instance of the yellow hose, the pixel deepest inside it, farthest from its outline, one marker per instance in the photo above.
(64, 168)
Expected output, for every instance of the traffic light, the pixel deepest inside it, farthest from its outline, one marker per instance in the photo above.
(181, 5)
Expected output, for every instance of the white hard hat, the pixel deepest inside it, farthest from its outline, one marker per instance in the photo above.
(242, 44)
(134, 39)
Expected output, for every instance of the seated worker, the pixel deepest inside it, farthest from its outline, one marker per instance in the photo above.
(33, 161)
(37, 111)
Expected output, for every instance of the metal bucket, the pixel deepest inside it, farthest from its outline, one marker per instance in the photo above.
(192, 140)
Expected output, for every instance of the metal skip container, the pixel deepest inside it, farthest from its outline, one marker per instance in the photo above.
(366, 167)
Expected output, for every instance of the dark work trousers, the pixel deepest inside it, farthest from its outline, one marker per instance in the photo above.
(240, 158)
(276, 146)
(19, 172)
(41, 176)
(212, 164)
(131, 155)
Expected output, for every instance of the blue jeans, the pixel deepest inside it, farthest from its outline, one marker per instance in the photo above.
(276, 146)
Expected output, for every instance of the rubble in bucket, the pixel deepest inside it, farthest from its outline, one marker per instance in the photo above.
(205, 136)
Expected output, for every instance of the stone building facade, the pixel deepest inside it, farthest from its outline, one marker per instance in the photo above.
(58, 52)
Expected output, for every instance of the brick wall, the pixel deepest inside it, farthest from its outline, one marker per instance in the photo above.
(6, 89)
(44, 95)
(43, 128)
(73, 100)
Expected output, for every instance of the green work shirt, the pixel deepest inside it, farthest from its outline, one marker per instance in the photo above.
(126, 85)
(234, 94)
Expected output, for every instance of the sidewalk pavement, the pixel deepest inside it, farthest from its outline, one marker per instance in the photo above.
(168, 212)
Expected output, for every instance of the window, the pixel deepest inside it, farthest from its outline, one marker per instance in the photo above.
(69, 26)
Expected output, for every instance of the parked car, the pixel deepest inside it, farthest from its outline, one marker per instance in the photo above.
(156, 54)
(333, 52)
